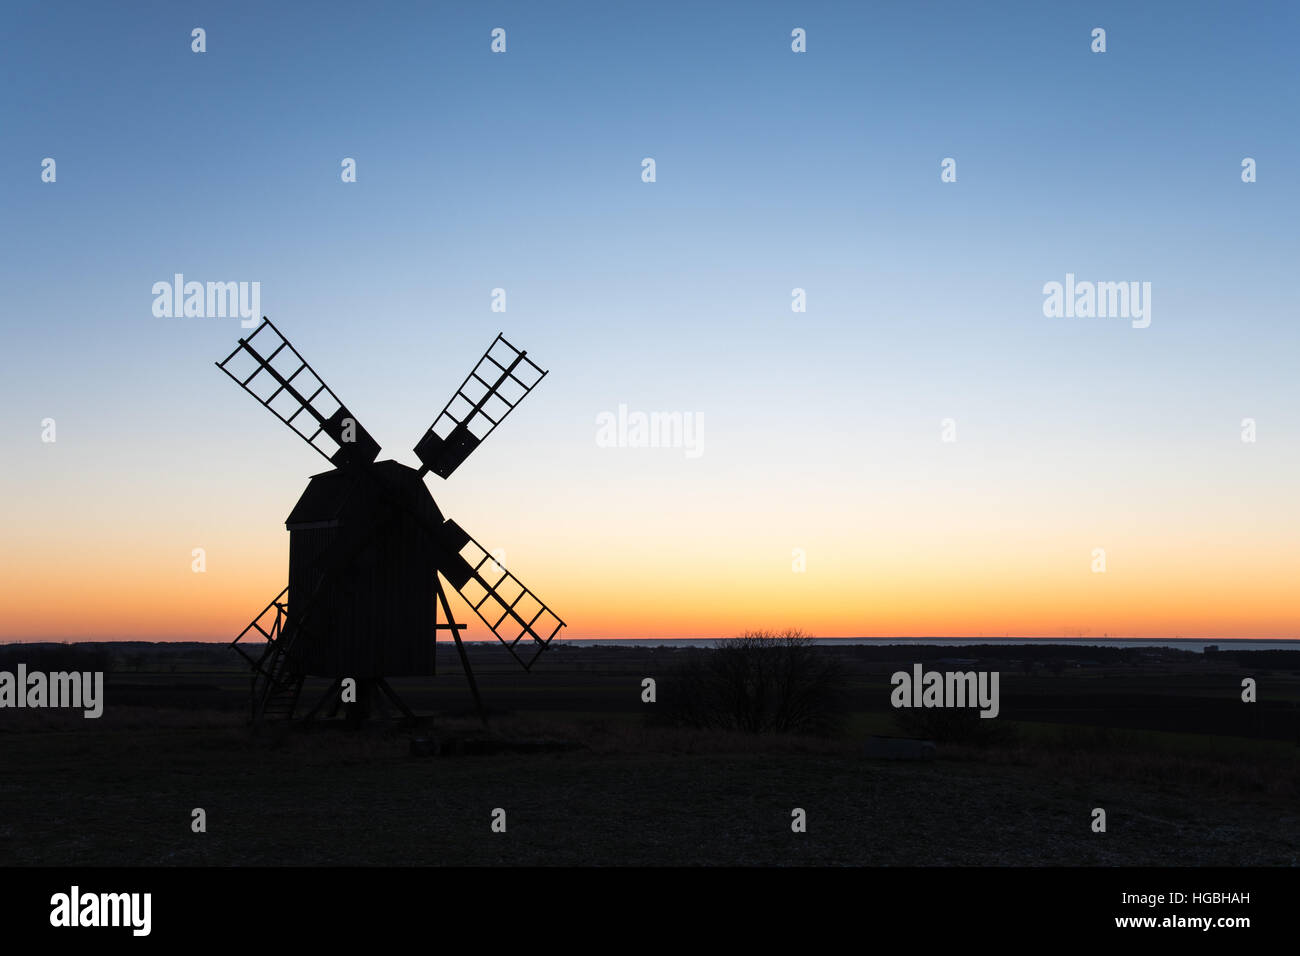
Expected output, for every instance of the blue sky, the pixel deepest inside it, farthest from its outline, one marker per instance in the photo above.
(774, 170)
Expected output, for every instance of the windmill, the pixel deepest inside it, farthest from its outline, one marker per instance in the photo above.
(369, 548)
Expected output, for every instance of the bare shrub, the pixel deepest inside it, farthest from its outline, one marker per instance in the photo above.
(759, 683)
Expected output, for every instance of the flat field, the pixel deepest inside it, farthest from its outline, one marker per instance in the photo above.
(586, 774)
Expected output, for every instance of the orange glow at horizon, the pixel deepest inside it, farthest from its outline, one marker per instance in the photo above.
(151, 593)
(704, 559)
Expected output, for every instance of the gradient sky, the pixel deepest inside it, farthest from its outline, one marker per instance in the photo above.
(775, 171)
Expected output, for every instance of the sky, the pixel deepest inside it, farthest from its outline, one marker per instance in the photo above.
(818, 490)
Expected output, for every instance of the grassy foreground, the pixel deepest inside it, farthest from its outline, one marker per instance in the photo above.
(630, 794)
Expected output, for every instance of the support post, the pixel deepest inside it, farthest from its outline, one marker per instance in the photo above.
(460, 647)
(392, 696)
(333, 688)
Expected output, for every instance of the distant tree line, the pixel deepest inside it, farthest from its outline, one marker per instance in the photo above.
(56, 657)
(118, 656)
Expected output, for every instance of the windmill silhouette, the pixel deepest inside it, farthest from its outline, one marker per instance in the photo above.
(369, 548)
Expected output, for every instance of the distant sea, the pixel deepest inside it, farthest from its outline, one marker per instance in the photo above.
(1198, 646)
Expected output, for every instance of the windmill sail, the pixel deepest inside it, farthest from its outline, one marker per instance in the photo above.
(270, 369)
(510, 610)
(494, 387)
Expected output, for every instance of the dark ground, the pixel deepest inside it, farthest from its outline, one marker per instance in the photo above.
(1188, 774)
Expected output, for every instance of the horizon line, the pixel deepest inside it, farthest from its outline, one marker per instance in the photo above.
(663, 640)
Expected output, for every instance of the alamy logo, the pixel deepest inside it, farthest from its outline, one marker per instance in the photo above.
(213, 300)
(59, 689)
(1102, 300)
(651, 430)
(102, 909)
(946, 689)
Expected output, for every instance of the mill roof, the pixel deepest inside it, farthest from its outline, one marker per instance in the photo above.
(332, 493)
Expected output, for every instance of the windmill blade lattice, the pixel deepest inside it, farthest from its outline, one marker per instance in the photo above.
(496, 385)
(509, 609)
(271, 370)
